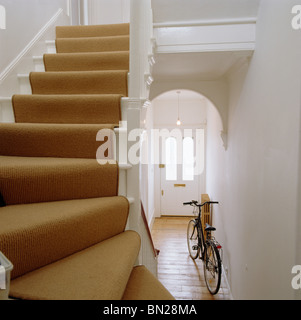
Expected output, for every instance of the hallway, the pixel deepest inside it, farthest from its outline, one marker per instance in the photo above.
(176, 270)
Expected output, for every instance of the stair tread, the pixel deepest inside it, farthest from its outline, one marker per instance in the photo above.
(34, 179)
(100, 272)
(53, 140)
(85, 221)
(93, 44)
(143, 285)
(75, 108)
(80, 82)
(118, 60)
(93, 30)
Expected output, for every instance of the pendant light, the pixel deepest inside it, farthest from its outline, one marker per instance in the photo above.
(178, 121)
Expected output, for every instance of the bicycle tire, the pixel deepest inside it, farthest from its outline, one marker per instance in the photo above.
(192, 239)
(212, 267)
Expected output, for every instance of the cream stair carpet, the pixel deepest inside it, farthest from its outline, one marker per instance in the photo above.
(60, 214)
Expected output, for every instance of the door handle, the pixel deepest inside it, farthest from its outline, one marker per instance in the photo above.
(179, 185)
(162, 192)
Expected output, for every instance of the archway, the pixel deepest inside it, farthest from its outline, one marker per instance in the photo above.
(193, 108)
(215, 91)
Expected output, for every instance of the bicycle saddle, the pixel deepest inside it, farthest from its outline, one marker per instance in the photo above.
(209, 228)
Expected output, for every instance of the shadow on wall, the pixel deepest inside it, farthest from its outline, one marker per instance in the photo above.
(2, 18)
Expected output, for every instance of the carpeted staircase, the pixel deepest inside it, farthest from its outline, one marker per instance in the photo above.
(62, 223)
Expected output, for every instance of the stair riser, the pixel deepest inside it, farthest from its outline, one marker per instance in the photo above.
(7, 113)
(84, 61)
(31, 180)
(72, 144)
(51, 140)
(93, 31)
(31, 187)
(50, 45)
(94, 82)
(24, 84)
(6, 110)
(38, 64)
(92, 44)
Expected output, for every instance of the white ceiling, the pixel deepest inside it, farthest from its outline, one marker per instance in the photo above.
(181, 94)
(197, 10)
(193, 66)
(198, 66)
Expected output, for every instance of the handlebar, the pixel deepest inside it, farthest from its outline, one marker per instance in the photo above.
(194, 202)
(190, 203)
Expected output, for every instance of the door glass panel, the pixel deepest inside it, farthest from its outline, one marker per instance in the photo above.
(171, 158)
(188, 159)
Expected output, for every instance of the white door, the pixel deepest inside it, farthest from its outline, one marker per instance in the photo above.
(182, 181)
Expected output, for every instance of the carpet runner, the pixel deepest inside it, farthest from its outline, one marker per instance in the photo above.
(61, 216)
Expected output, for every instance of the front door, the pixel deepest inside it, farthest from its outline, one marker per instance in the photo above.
(182, 173)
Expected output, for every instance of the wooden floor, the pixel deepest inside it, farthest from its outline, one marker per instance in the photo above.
(181, 275)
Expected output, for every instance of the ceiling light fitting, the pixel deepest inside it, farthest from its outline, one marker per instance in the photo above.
(178, 121)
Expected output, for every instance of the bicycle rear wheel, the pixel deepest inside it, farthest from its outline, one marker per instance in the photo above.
(192, 239)
(212, 267)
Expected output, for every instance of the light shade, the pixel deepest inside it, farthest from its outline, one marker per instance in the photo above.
(178, 121)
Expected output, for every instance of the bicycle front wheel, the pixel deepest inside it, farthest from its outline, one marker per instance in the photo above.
(212, 267)
(192, 239)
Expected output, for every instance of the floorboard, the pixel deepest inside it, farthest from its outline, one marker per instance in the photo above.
(181, 275)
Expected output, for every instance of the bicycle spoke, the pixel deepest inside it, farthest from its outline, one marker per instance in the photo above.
(192, 239)
(212, 268)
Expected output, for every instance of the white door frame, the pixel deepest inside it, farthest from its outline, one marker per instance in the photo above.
(158, 174)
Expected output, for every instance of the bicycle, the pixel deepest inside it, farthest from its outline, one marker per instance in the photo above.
(207, 249)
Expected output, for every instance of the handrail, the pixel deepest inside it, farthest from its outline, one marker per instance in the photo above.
(156, 251)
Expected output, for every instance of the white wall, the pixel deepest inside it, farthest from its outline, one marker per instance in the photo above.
(109, 11)
(216, 91)
(191, 112)
(24, 19)
(256, 178)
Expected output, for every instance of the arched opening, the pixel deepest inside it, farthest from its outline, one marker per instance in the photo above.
(173, 183)
(195, 175)
(215, 92)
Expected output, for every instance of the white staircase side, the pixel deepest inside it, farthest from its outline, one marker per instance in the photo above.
(50, 46)
(122, 187)
(24, 84)
(38, 63)
(142, 47)
(6, 110)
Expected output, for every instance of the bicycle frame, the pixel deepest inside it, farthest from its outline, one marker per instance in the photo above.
(199, 226)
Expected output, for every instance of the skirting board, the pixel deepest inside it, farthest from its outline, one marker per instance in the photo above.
(225, 278)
